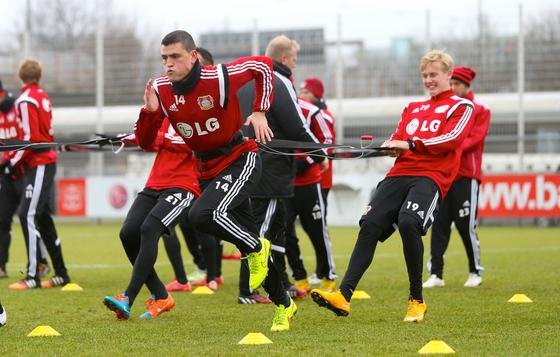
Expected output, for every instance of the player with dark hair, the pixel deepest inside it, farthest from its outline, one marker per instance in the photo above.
(460, 204)
(202, 106)
(37, 169)
(427, 146)
(206, 251)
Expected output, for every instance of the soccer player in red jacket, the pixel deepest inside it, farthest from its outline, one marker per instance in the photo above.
(427, 145)
(309, 206)
(460, 204)
(313, 91)
(38, 168)
(202, 105)
(11, 183)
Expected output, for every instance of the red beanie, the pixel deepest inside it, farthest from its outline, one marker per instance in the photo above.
(464, 74)
(315, 86)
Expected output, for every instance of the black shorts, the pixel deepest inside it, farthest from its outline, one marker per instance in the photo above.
(415, 196)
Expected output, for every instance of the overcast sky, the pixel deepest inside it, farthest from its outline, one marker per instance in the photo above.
(376, 22)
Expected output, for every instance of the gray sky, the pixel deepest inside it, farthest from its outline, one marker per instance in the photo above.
(376, 22)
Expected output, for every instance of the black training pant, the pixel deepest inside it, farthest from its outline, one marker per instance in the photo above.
(459, 206)
(309, 206)
(152, 213)
(408, 203)
(35, 214)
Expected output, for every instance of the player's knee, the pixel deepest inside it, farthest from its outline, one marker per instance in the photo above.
(369, 231)
(409, 225)
(129, 232)
(151, 228)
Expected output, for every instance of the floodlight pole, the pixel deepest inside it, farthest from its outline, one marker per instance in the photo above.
(255, 38)
(97, 159)
(339, 83)
(520, 91)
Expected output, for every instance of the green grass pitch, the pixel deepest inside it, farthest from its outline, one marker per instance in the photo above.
(473, 321)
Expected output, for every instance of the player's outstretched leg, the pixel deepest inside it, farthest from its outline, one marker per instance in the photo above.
(334, 301)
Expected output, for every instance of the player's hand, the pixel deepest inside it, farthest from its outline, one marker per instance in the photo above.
(263, 133)
(324, 165)
(395, 146)
(151, 102)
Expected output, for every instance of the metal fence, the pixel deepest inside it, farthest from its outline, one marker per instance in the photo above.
(350, 67)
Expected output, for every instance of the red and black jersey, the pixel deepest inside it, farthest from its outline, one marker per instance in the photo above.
(10, 125)
(205, 111)
(473, 146)
(438, 127)
(35, 111)
(174, 165)
(318, 126)
(326, 182)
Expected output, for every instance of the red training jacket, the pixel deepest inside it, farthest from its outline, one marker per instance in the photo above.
(10, 126)
(438, 127)
(34, 108)
(473, 146)
(318, 126)
(207, 116)
(174, 165)
(326, 182)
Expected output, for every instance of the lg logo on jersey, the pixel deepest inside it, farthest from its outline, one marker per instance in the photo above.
(432, 125)
(209, 126)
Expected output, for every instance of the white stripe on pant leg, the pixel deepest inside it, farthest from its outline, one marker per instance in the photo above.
(472, 225)
(326, 236)
(431, 209)
(32, 231)
(44, 252)
(220, 213)
(176, 211)
(278, 248)
(270, 210)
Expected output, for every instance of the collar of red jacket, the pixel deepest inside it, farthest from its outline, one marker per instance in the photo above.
(446, 94)
(470, 95)
(29, 85)
(189, 81)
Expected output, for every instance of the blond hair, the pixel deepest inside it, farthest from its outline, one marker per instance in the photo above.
(280, 46)
(30, 71)
(437, 56)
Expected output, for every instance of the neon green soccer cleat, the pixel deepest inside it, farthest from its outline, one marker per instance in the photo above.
(258, 264)
(283, 316)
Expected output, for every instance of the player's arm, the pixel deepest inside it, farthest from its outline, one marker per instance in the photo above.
(457, 127)
(258, 68)
(150, 119)
(479, 130)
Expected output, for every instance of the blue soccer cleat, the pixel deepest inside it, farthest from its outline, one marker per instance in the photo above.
(119, 304)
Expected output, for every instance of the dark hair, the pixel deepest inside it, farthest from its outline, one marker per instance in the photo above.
(179, 36)
(206, 56)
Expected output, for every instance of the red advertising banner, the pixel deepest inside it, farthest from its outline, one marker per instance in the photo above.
(519, 196)
(71, 197)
